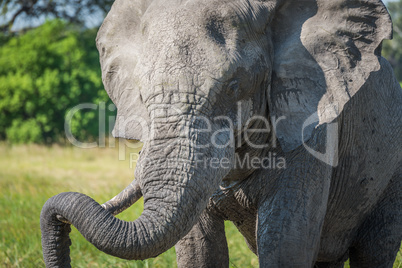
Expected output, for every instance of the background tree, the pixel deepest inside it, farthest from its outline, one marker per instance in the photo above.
(392, 50)
(44, 73)
(77, 11)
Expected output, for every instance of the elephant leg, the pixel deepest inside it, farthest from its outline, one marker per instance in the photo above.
(247, 229)
(205, 245)
(329, 265)
(333, 264)
(290, 220)
(379, 238)
(289, 227)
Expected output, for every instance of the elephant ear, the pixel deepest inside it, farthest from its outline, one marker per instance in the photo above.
(119, 44)
(325, 51)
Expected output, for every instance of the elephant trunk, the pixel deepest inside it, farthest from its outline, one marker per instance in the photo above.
(175, 194)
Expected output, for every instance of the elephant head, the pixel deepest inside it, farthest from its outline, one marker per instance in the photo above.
(180, 71)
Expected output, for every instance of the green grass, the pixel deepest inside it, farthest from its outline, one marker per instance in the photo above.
(29, 175)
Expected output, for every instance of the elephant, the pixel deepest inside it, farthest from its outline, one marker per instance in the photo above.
(279, 115)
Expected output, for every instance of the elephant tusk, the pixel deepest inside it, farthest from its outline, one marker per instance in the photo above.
(62, 219)
(125, 199)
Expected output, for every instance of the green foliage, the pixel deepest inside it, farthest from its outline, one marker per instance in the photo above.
(24, 131)
(43, 73)
(392, 50)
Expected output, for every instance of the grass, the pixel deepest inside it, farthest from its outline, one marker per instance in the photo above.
(30, 174)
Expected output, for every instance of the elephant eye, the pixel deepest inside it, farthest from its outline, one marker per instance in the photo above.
(232, 87)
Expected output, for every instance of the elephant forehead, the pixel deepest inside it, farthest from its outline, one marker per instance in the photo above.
(184, 38)
(178, 51)
(214, 39)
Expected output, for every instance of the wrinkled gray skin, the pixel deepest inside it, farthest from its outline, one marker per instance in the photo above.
(169, 65)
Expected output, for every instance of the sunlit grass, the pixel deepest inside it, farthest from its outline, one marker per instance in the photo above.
(30, 174)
